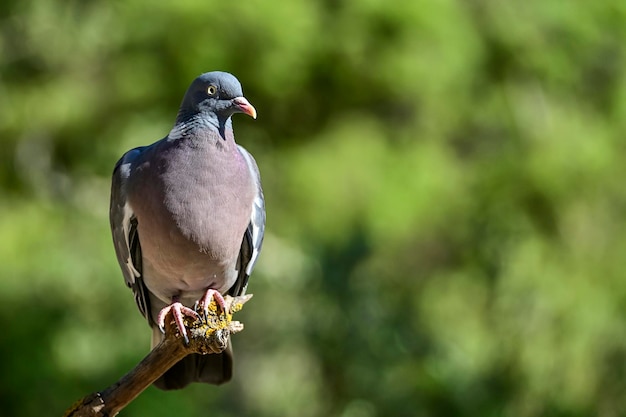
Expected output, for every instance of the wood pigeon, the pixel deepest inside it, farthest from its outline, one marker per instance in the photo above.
(188, 216)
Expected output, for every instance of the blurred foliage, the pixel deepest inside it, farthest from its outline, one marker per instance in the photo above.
(446, 212)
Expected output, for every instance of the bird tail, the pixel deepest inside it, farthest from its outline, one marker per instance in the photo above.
(213, 369)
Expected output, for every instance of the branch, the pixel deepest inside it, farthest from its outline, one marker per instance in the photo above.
(205, 337)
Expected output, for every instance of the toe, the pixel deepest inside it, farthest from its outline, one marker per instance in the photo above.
(178, 312)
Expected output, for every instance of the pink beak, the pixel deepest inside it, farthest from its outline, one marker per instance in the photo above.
(245, 106)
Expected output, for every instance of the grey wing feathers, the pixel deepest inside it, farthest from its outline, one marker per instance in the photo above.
(253, 237)
(124, 230)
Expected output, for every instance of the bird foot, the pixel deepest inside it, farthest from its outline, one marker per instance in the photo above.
(204, 304)
(178, 311)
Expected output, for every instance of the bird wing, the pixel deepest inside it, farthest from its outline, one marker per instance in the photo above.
(124, 231)
(253, 236)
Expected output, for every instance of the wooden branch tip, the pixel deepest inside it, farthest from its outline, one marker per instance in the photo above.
(206, 336)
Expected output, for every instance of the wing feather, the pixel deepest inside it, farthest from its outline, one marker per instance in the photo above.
(253, 237)
(124, 231)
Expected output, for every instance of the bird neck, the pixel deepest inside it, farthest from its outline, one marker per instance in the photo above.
(192, 125)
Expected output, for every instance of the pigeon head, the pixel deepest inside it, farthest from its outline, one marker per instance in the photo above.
(215, 96)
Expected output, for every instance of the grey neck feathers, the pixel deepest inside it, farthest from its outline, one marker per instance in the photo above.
(188, 126)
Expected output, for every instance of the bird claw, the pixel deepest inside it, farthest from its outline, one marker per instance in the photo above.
(212, 304)
(178, 311)
(204, 303)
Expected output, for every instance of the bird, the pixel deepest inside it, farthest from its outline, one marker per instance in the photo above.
(187, 216)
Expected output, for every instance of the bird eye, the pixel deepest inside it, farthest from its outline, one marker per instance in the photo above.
(212, 90)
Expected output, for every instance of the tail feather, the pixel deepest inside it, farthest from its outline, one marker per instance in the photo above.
(213, 369)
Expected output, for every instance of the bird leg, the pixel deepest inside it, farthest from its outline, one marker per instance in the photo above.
(204, 303)
(178, 311)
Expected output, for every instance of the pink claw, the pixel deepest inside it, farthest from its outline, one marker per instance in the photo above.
(177, 310)
(204, 302)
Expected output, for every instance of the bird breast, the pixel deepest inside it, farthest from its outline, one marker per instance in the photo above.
(196, 219)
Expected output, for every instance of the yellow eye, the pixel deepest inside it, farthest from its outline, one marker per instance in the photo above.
(212, 90)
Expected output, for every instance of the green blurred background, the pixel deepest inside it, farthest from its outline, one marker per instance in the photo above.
(445, 195)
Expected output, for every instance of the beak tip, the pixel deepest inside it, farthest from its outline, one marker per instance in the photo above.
(245, 107)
